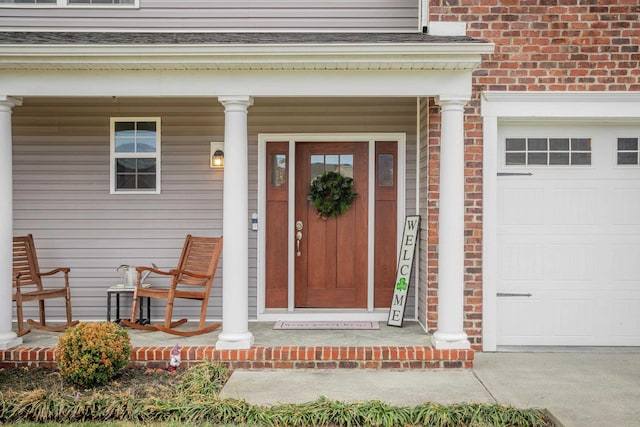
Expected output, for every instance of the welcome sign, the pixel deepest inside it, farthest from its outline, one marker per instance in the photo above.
(403, 274)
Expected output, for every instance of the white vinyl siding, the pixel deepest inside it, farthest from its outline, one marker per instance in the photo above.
(61, 171)
(203, 15)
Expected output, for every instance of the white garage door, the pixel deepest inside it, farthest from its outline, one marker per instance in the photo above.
(568, 235)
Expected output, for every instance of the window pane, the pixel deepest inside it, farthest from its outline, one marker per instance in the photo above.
(516, 144)
(559, 144)
(516, 158)
(145, 137)
(385, 170)
(628, 144)
(146, 127)
(125, 127)
(537, 144)
(628, 158)
(346, 165)
(581, 158)
(331, 163)
(125, 137)
(278, 170)
(126, 166)
(537, 158)
(317, 165)
(147, 182)
(136, 174)
(146, 166)
(580, 144)
(126, 182)
(559, 158)
(146, 145)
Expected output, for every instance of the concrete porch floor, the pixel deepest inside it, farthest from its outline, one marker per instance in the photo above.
(408, 347)
(410, 334)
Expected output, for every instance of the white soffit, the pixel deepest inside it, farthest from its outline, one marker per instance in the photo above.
(374, 56)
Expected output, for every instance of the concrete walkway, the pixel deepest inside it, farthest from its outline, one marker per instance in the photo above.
(579, 389)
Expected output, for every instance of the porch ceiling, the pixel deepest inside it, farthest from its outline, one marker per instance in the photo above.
(239, 51)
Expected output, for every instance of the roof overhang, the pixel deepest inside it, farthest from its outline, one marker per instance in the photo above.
(346, 53)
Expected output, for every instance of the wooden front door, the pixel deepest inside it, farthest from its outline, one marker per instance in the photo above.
(331, 260)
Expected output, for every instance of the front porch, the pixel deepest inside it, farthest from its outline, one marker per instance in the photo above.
(386, 348)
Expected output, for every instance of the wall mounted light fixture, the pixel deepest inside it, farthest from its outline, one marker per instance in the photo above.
(217, 155)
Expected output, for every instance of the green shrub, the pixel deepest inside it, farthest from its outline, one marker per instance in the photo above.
(90, 354)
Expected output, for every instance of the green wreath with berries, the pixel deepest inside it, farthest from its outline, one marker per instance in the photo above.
(331, 194)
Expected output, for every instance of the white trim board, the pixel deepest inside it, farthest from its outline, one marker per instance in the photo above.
(532, 107)
(304, 314)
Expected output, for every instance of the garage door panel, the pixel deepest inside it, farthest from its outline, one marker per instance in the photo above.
(522, 207)
(515, 307)
(572, 206)
(522, 262)
(626, 263)
(625, 207)
(569, 237)
(572, 317)
(626, 317)
(571, 262)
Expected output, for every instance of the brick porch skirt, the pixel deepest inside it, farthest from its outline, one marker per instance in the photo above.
(284, 357)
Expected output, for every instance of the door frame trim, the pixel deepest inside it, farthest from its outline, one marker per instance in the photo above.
(292, 138)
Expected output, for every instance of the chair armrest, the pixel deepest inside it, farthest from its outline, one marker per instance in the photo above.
(176, 272)
(64, 270)
(153, 270)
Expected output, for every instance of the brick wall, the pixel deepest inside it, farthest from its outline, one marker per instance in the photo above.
(541, 45)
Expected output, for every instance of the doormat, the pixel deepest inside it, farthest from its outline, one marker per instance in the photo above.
(290, 324)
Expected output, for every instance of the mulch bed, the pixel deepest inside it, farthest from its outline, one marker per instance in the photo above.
(138, 382)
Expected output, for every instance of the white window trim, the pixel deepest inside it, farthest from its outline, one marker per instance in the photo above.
(64, 3)
(113, 155)
(290, 313)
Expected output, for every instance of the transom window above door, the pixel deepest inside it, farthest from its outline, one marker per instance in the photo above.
(135, 155)
(341, 163)
(548, 151)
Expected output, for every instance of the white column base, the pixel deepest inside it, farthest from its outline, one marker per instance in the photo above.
(442, 341)
(9, 340)
(227, 341)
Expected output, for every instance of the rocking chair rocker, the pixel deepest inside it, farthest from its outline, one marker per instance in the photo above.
(196, 269)
(26, 273)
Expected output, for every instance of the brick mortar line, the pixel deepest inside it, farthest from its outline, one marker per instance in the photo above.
(277, 357)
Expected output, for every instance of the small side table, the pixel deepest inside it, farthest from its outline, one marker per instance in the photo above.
(121, 289)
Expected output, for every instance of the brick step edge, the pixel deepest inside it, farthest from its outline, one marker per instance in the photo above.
(285, 357)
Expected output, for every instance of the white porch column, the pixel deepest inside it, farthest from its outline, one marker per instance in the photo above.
(450, 333)
(8, 338)
(235, 282)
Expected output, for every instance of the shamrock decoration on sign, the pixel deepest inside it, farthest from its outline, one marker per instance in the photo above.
(402, 284)
(331, 194)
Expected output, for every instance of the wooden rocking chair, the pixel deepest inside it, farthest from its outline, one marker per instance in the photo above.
(191, 279)
(26, 273)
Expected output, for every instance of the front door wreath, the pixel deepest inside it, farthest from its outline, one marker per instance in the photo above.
(331, 194)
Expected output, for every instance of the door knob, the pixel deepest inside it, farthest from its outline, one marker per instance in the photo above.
(299, 227)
